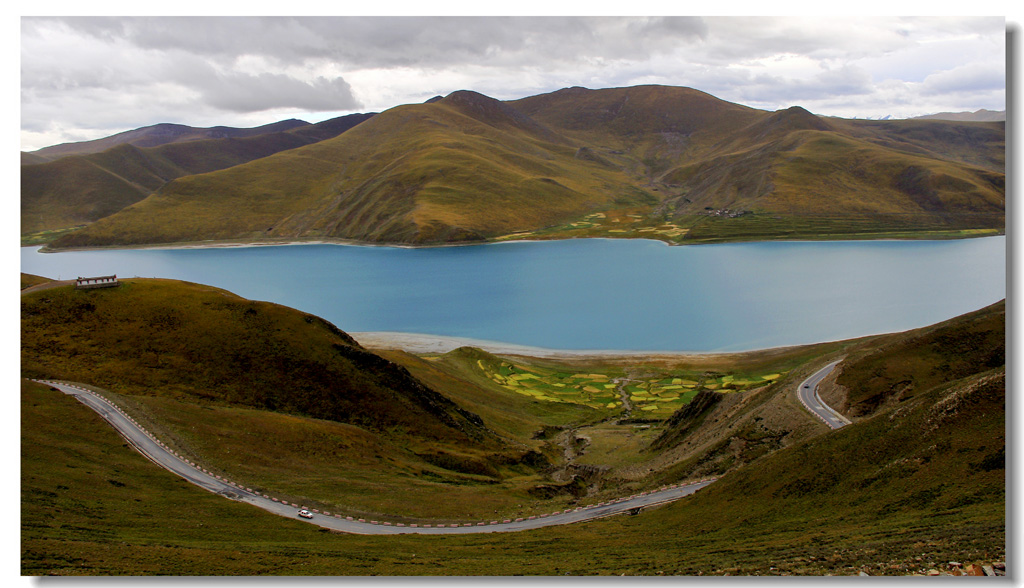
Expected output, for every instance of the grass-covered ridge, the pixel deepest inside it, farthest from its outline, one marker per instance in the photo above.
(915, 365)
(202, 344)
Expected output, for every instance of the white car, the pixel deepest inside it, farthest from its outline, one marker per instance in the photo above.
(305, 514)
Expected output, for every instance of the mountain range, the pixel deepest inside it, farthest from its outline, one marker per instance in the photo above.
(977, 115)
(656, 161)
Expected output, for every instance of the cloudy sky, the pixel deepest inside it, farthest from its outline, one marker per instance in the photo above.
(89, 77)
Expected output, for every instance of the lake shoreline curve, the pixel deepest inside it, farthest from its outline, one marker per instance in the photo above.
(218, 244)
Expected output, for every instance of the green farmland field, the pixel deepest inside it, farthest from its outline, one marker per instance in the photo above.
(658, 395)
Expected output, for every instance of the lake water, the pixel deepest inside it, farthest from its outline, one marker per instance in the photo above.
(593, 293)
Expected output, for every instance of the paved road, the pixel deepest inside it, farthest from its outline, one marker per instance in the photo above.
(808, 393)
(47, 286)
(153, 449)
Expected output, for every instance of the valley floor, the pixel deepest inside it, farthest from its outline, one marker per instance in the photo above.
(422, 343)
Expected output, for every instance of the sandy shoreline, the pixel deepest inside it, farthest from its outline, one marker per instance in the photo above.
(421, 343)
(44, 248)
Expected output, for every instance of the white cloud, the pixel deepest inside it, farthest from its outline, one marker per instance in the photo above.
(265, 91)
(82, 75)
(966, 78)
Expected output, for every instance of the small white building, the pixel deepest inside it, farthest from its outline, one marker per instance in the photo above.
(97, 282)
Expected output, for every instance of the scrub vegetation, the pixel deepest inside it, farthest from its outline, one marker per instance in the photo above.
(918, 478)
(29, 280)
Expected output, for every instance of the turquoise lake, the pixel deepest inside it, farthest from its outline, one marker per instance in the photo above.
(597, 294)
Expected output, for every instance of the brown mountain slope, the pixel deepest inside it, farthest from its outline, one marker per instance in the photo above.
(31, 159)
(820, 173)
(706, 154)
(79, 189)
(466, 167)
(909, 365)
(162, 134)
(645, 129)
(977, 115)
(633, 114)
(979, 144)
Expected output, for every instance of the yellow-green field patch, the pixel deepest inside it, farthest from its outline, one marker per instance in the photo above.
(656, 393)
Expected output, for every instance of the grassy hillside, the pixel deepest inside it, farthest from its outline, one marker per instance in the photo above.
(29, 158)
(820, 182)
(201, 344)
(216, 375)
(78, 190)
(463, 168)
(655, 161)
(887, 183)
(89, 184)
(907, 488)
(931, 358)
(611, 425)
(29, 280)
(979, 144)
(646, 129)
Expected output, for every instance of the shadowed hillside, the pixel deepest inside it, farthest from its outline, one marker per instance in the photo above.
(161, 134)
(877, 375)
(201, 344)
(88, 184)
(906, 367)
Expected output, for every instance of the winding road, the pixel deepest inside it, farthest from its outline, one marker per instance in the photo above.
(160, 454)
(807, 391)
